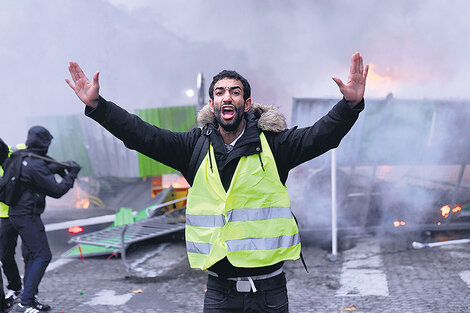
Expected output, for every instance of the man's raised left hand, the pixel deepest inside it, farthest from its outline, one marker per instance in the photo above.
(353, 90)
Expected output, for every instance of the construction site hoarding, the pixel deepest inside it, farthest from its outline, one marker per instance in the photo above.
(79, 138)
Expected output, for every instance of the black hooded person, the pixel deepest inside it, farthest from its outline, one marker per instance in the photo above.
(37, 181)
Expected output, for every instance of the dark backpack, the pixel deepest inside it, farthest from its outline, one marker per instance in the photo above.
(10, 181)
(3, 151)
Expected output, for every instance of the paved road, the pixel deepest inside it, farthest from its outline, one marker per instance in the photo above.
(374, 275)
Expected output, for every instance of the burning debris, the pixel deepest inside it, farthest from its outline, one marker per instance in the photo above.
(395, 172)
(445, 210)
(399, 223)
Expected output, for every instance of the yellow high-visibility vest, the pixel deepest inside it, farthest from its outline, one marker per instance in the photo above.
(3, 206)
(251, 223)
(4, 209)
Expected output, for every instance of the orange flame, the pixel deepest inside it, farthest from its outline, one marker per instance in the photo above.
(399, 223)
(383, 80)
(380, 84)
(456, 209)
(445, 210)
(85, 203)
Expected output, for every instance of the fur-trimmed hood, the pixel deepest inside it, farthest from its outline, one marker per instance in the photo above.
(269, 118)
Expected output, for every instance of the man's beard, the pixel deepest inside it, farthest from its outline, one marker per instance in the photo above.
(232, 125)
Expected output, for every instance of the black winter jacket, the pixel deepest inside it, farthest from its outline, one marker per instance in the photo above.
(37, 177)
(290, 147)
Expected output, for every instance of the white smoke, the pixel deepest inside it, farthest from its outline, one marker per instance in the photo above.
(149, 52)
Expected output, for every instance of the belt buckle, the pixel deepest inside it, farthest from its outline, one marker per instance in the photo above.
(243, 286)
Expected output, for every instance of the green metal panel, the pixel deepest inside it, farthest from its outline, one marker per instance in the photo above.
(178, 119)
(88, 251)
(68, 141)
(123, 217)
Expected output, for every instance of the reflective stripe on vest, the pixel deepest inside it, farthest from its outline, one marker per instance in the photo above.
(3, 207)
(251, 223)
(246, 244)
(262, 243)
(238, 215)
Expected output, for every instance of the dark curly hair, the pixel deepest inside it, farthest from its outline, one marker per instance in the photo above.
(234, 75)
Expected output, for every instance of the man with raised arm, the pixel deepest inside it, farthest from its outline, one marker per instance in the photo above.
(239, 225)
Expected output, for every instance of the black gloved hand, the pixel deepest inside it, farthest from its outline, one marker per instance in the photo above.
(56, 168)
(73, 168)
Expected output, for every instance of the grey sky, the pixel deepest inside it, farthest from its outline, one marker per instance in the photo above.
(149, 52)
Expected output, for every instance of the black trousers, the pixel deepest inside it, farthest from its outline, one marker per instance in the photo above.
(32, 233)
(8, 242)
(270, 297)
(3, 303)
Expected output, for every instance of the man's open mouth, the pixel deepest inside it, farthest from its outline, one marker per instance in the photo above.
(228, 112)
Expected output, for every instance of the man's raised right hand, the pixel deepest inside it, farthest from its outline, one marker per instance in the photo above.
(87, 91)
